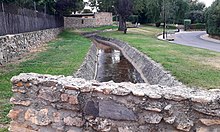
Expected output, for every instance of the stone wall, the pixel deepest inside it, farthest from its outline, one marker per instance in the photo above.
(57, 103)
(13, 46)
(88, 69)
(150, 71)
(74, 22)
(103, 18)
(100, 19)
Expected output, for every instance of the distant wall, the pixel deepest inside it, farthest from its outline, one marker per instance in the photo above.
(103, 18)
(13, 46)
(100, 19)
(45, 103)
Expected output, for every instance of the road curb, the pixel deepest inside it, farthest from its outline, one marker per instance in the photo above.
(207, 38)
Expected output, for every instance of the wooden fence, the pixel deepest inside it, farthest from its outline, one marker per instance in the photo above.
(15, 20)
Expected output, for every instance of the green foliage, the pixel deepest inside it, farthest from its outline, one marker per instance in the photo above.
(133, 19)
(187, 23)
(213, 19)
(200, 26)
(67, 7)
(196, 16)
(103, 5)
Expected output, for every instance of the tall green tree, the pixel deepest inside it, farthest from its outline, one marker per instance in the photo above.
(124, 9)
(213, 19)
(102, 5)
(67, 7)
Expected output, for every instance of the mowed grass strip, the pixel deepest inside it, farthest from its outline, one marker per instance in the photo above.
(93, 29)
(62, 56)
(193, 66)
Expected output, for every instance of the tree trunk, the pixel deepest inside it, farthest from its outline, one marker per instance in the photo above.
(122, 24)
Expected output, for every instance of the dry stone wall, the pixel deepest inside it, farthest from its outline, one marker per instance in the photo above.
(152, 72)
(66, 104)
(13, 46)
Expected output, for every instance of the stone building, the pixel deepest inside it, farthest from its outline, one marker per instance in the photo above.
(88, 20)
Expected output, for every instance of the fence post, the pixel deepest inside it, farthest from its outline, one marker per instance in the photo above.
(3, 9)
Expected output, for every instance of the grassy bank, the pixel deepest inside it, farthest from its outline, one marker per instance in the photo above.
(93, 29)
(193, 66)
(62, 56)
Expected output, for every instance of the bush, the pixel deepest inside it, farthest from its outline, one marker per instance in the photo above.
(200, 26)
(187, 23)
(213, 19)
(133, 19)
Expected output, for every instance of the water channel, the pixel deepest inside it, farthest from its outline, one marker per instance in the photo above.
(113, 66)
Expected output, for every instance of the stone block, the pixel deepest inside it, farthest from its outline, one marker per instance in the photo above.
(73, 100)
(210, 122)
(49, 94)
(152, 118)
(20, 102)
(38, 117)
(74, 121)
(13, 114)
(15, 127)
(91, 108)
(113, 110)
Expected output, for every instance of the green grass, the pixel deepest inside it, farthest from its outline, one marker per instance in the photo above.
(3, 130)
(98, 28)
(192, 66)
(62, 56)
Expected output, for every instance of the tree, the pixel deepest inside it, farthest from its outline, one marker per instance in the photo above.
(196, 16)
(66, 7)
(102, 5)
(213, 19)
(124, 9)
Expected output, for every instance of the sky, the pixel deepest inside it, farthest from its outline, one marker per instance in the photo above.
(207, 2)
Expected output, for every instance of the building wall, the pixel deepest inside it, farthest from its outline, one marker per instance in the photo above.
(14, 46)
(103, 18)
(100, 19)
(66, 104)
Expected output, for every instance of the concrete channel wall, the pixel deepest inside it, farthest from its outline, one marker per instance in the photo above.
(88, 69)
(14, 46)
(151, 72)
(45, 103)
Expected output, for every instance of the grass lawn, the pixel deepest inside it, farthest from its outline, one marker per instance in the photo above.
(62, 56)
(97, 28)
(193, 66)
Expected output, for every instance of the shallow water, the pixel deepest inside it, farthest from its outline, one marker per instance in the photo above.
(113, 66)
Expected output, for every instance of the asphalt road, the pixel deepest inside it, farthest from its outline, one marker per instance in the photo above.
(193, 39)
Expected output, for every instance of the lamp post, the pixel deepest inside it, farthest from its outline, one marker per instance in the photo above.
(164, 19)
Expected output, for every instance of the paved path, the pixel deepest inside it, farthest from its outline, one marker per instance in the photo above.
(194, 39)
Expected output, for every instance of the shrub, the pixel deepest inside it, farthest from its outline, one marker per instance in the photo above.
(213, 19)
(187, 23)
(133, 19)
(200, 26)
